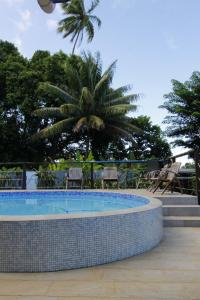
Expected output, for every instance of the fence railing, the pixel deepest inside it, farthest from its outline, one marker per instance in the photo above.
(53, 175)
(195, 154)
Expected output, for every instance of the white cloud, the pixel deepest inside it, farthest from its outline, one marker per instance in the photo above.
(18, 42)
(22, 26)
(52, 24)
(25, 21)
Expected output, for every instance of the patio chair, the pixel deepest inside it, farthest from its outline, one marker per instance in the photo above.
(146, 179)
(75, 175)
(158, 175)
(149, 177)
(110, 174)
(169, 178)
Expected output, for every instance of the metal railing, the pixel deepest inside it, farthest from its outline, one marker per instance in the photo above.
(53, 175)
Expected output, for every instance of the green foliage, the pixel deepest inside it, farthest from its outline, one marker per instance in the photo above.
(60, 165)
(73, 98)
(10, 177)
(183, 106)
(20, 94)
(93, 109)
(189, 166)
(46, 178)
(151, 143)
(78, 21)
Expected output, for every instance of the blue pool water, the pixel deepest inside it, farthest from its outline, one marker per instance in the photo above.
(48, 203)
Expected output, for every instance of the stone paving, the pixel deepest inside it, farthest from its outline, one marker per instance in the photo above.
(170, 271)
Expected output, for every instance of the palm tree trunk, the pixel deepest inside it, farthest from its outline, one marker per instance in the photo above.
(73, 50)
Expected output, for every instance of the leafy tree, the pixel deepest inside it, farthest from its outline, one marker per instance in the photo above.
(20, 94)
(183, 106)
(11, 66)
(78, 21)
(93, 109)
(150, 143)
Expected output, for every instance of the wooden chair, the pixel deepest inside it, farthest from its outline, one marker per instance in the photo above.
(152, 171)
(158, 175)
(75, 175)
(169, 177)
(110, 174)
(147, 178)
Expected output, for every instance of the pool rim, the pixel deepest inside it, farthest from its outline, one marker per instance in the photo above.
(153, 203)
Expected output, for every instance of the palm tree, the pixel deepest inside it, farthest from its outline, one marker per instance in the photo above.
(94, 106)
(78, 21)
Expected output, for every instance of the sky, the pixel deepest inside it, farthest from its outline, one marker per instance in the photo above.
(153, 41)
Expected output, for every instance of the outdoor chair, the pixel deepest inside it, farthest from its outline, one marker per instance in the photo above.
(158, 175)
(149, 177)
(110, 174)
(75, 175)
(146, 178)
(152, 171)
(169, 178)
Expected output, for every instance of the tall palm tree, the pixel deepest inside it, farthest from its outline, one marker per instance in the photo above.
(93, 107)
(78, 21)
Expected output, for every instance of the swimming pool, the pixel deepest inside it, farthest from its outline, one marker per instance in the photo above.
(51, 203)
(51, 231)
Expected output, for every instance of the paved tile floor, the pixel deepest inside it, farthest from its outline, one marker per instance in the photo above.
(170, 271)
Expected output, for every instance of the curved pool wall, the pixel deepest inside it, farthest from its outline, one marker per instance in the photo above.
(61, 242)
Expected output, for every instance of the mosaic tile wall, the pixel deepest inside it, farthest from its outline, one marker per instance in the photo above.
(51, 245)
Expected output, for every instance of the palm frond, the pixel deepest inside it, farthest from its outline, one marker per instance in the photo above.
(110, 71)
(96, 20)
(48, 112)
(60, 93)
(123, 100)
(94, 4)
(55, 129)
(119, 92)
(120, 109)
(86, 99)
(96, 123)
(81, 124)
(90, 31)
(70, 109)
(104, 79)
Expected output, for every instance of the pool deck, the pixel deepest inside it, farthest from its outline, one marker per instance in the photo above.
(170, 271)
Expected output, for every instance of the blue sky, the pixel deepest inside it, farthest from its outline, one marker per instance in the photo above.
(154, 41)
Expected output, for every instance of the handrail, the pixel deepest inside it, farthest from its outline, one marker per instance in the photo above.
(182, 154)
(84, 162)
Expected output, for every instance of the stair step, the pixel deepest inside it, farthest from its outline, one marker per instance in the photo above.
(178, 200)
(176, 221)
(181, 210)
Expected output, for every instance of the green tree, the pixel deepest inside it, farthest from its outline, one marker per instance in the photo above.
(150, 143)
(183, 106)
(93, 110)
(78, 21)
(20, 94)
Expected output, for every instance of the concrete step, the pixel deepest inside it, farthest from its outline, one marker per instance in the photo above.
(182, 221)
(178, 200)
(181, 210)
